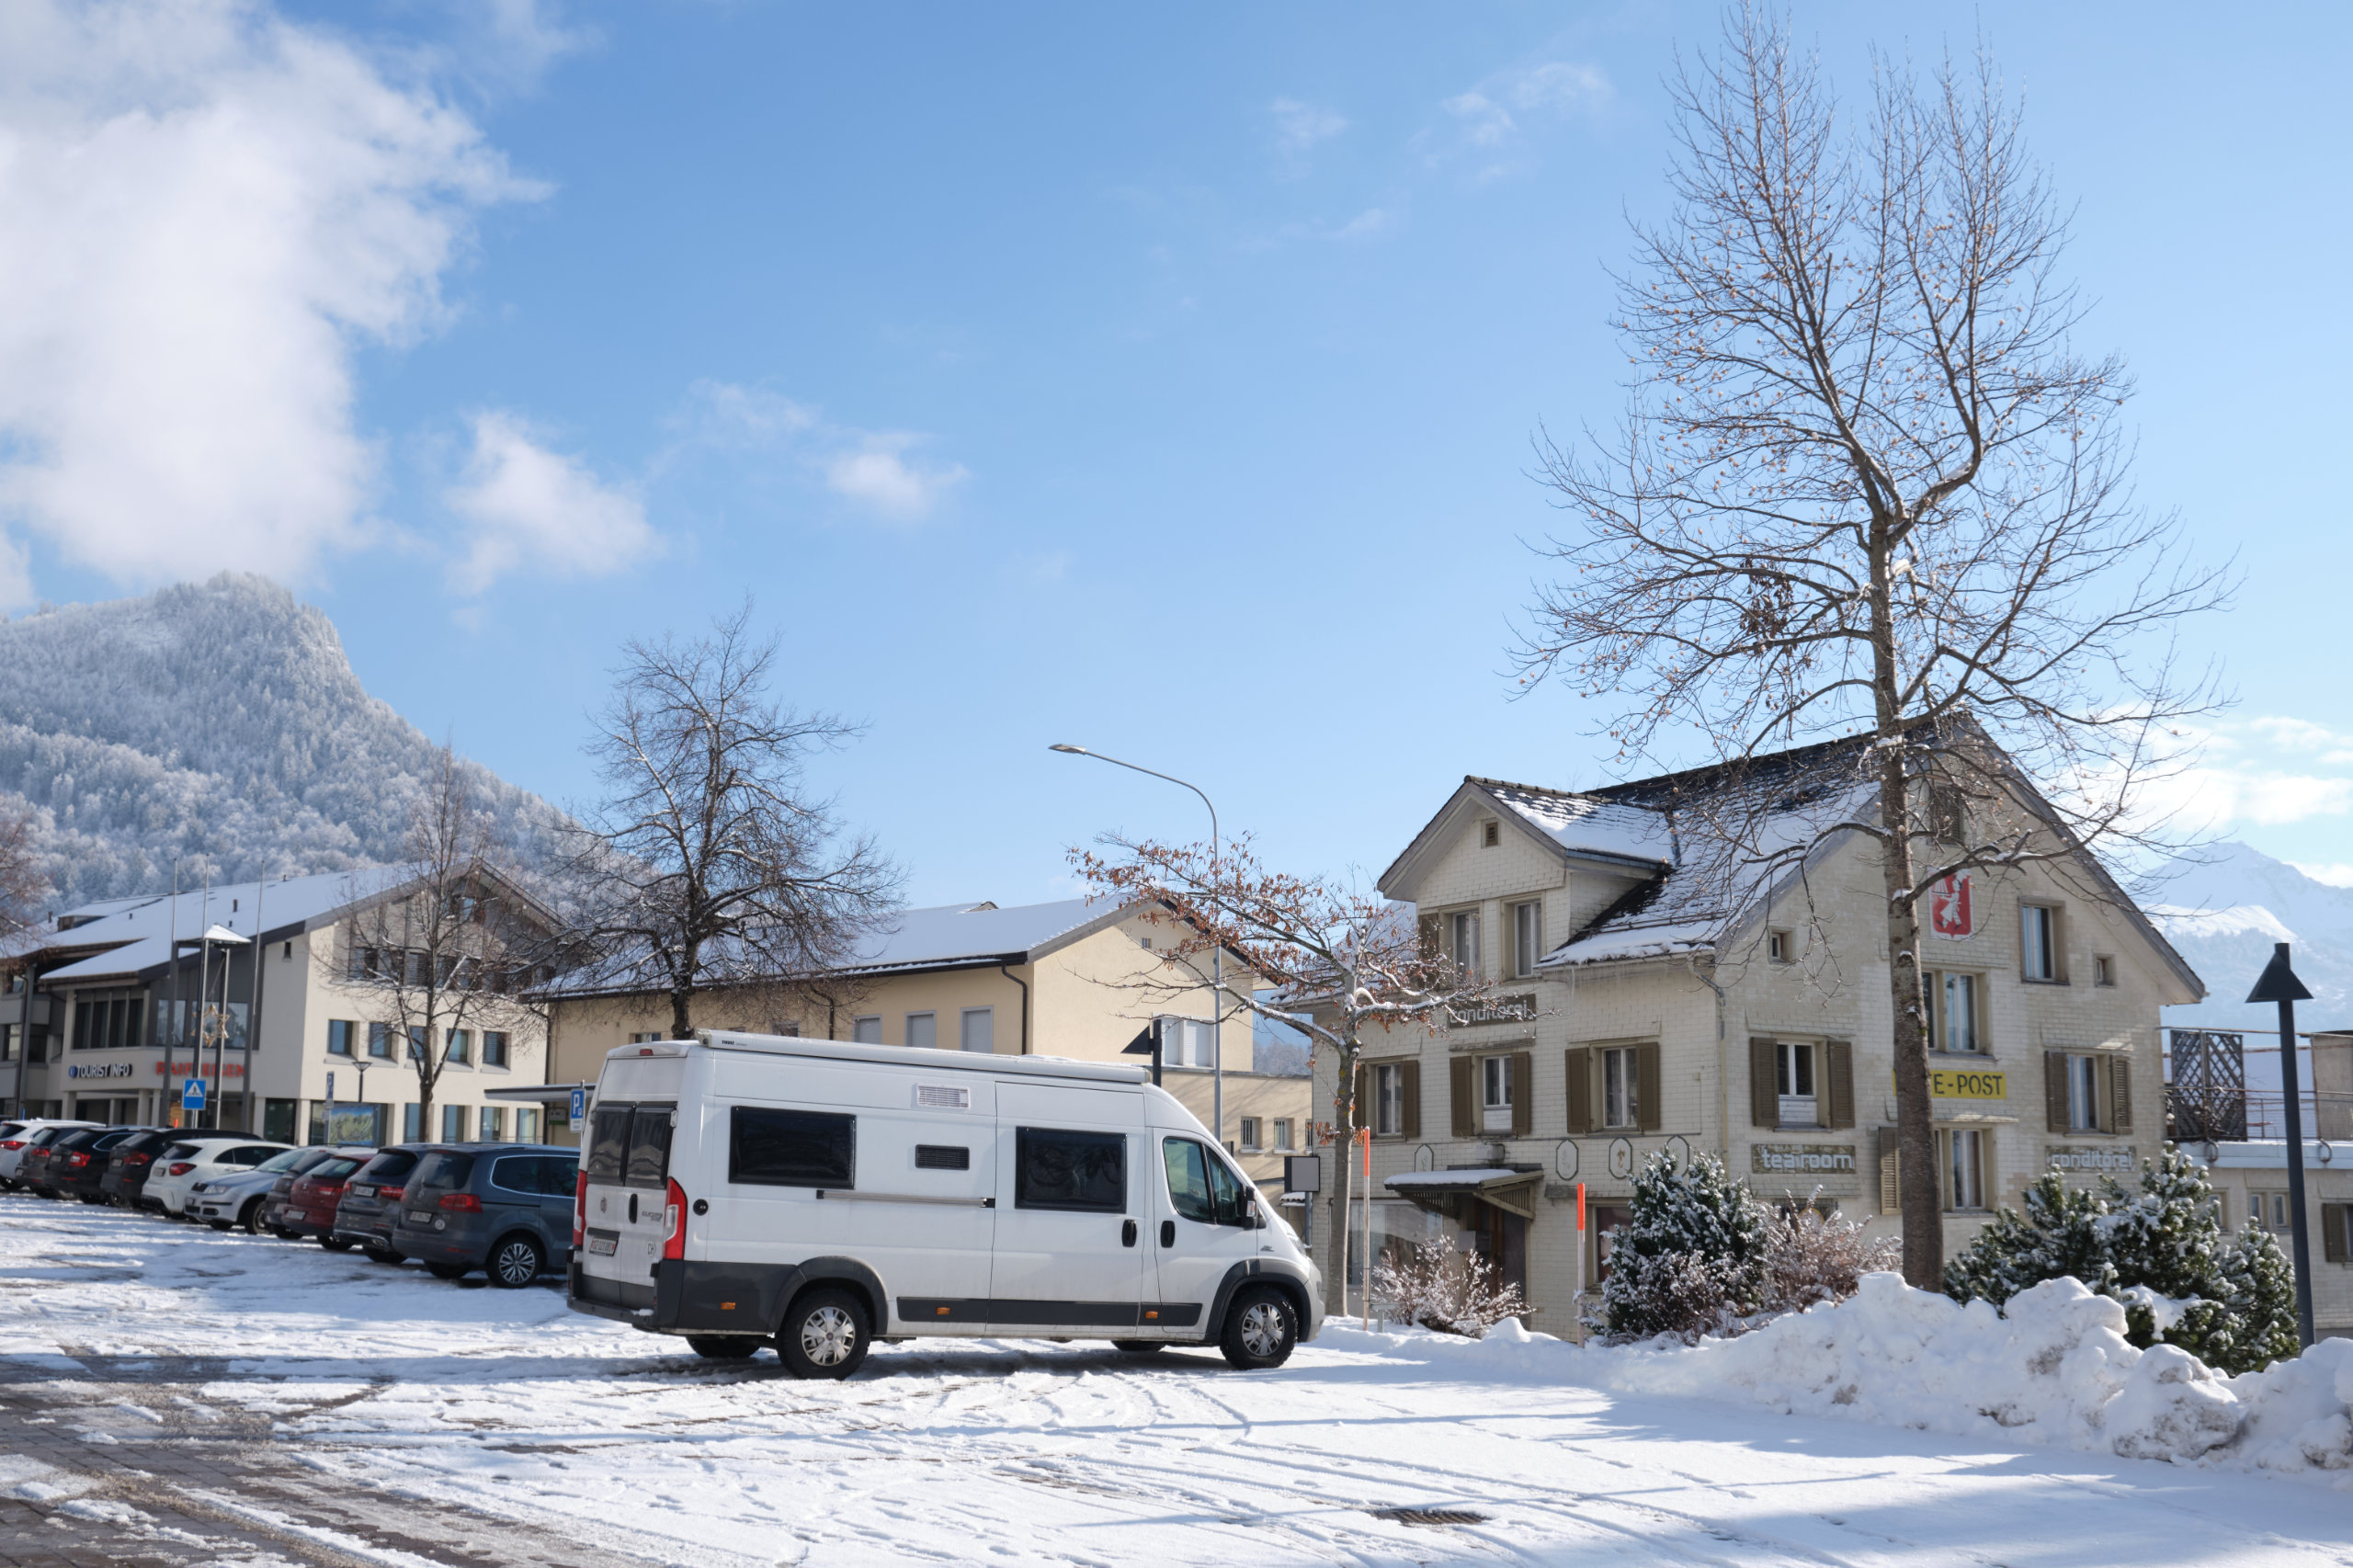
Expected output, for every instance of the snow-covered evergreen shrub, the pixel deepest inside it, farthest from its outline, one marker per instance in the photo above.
(1692, 1258)
(1813, 1257)
(2227, 1298)
(1443, 1288)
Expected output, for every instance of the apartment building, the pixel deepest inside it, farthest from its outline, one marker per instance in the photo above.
(1078, 978)
(1644, 1004)
(265, 992)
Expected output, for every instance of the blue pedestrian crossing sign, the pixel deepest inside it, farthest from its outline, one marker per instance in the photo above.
(192, 1096)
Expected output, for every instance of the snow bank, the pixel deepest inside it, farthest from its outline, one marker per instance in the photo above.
(2054, 1371)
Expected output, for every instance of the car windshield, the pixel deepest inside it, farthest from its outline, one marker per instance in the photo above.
(290, 1160)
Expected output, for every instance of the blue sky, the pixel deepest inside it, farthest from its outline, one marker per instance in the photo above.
(1160, 381)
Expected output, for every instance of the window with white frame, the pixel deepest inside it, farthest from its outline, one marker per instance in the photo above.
(2083, 1073)
(1186, 1043)
(1282, 1133)
(2039, 941)
(1389, 1100)
(976, 1029)
(646, 1036)
(1250, 1134)
(867, 1031)
(1494, 1096)
(923, 1029)
(1462, 940)
(2103, 970)
(1795, 1069)
(1952, 1011)
(1778, 947)
(1620, 1085)
(1965, 1160)
(2268, 1212)
(1526, 937)
(494, 1124)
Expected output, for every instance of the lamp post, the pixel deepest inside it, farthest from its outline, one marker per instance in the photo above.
(1217, 948)
(2278, 983)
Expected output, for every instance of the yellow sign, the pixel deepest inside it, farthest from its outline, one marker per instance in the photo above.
(1960, 1085)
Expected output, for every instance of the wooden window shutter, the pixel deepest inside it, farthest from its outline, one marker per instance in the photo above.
(2332, 1239)
(1462, 1091)
(1409, 1084)
(1838, 1072)
(1764, 1083)
(1646, 1088)
(1359, 1105)
(1433, 935)
(1523, 1087)
(1580, 1073)
(2054, 1090)
(1890, 1173)
(2119, 1094)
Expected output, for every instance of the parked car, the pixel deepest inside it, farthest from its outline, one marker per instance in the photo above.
(233, 1196)
(132, 1161)
(310, 1202)
(27, 1137)
(504, 1207)
(372, 1202)
(273, 1212)
(190, 1159)
(78, 1162)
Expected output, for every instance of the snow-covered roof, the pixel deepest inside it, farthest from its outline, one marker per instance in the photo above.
(1588, 825)
(1636, 939)
(136, 934)
(1428, 1181)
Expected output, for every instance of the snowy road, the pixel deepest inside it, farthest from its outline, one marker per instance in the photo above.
(353, 1412)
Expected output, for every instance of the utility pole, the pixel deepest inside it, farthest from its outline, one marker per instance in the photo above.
(2278, 983)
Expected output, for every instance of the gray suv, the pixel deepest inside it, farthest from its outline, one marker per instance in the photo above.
(503, 1208)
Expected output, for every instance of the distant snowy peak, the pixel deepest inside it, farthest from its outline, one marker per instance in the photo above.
(2226, 910)
(2181, 924)
(219, 724)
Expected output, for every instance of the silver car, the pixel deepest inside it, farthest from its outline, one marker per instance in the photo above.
(237, 1197)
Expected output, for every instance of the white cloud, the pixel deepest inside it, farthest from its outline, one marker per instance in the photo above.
(205, 211)
(532, 507)
(1300, 128)
(2295, 734)
(879, 475)
(2337, 874)
(1491, 117)
(724, 413)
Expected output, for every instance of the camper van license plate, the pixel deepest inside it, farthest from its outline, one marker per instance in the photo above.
(604, 1246)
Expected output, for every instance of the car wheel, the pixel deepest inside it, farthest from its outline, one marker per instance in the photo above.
(723, 1347)
(251, 1218)
(92, 1199)
(449, 1270)
(221, 1224)
(825, 1334)
(383, 1255)
(336, 1243)
(1139, 1346)
(1260, 1329)
(514, 1263)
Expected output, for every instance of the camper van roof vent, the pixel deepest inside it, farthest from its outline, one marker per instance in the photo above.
(943, 1097)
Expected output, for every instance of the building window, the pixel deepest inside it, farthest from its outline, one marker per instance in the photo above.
(1965, 1162)
(1526, 937)
(1250, 1135)
(2268, 1212)
(526, 1124)
(494, 1124)
(976, 1029)
(411, 1129)
(416, 1043)
(2082, 1093)
(1619, 1082)
(453, 1124)
(1282, 1132)
(2038, 942)
(2103, 970)
(1495, 1096)
(1185, 1042)
(1947, 823)
(379, 1041)
(1778, 947)
(460, 1047)
(867, 1031)
(790, 1028)
(1952, 1011)
(339, 1033)
(493, 1048)
(1462, 940)
(923, 1029)
(1490, 835)
(644, 1037)
(1389, 1101)
(1799, 1103)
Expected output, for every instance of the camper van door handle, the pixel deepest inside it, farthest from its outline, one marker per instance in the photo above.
(1128, 1233)
(1169, 1233)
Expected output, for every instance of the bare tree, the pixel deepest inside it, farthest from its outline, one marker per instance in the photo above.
(22, 882)
(1343, 964)
(708, 864)
(1865, 486)
(457, 946)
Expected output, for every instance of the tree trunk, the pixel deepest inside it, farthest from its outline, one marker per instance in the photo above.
(681, 1024)
(1343, 1124)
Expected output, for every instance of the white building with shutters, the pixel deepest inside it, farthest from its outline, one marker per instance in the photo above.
(1644, 1004)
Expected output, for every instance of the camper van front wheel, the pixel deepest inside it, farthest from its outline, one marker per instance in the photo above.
(825, 1335)
(1260, 1329)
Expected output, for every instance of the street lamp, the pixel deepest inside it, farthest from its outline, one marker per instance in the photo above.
(2278, 983)
(1217, 946)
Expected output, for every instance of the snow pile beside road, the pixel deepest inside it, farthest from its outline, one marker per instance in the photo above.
(2053, 1369)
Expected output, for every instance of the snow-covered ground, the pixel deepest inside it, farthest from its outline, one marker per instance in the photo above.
(387, 1382)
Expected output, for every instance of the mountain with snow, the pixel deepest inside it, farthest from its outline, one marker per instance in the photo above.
(218, 723)
(2226, 909)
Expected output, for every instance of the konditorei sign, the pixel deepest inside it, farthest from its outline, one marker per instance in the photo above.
(1517, 1008)
(2098, 1160)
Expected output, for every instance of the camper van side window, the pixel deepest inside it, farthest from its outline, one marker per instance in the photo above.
(607, 1144)
(649, 1146)
(792, 1148)
(1084, 1171)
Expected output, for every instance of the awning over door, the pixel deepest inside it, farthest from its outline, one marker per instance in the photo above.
(1442, 1191)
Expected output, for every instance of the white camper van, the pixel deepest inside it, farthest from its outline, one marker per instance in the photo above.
(748, 1190)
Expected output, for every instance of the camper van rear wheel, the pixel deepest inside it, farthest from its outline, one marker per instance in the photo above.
(825, 1334)
(1260, 1329)
(723, 1347)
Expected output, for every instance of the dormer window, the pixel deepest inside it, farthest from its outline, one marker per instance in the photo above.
(1490, 835)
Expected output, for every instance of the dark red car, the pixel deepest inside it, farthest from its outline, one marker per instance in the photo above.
(311, 1201)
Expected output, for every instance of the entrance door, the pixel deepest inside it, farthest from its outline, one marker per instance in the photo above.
(1069, 1172)
(1501, 1240)
(1200, 1230)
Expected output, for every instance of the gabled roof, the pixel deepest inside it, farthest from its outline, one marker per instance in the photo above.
(129, 936)
(1638, 840)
